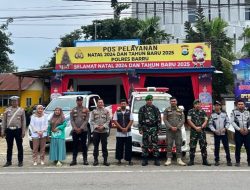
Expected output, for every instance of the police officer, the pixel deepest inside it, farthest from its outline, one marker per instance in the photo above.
(219, 123)
(174, 119)
(197, 120)
(149, 126)
(79, 117)
(13, 127)
(123, 119)
(100, 119)
(240, 119)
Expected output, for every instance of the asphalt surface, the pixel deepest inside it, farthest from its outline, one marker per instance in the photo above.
(122, 177)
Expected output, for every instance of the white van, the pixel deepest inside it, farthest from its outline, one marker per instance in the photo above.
(67, 103)
(161, 99)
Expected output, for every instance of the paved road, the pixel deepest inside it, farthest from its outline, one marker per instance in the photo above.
(126, 178)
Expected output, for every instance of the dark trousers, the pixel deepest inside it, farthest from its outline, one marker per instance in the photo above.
(103, 137)
(121, 143)
(82, 138)
(239, 141)
(224, 139)
(10, 136)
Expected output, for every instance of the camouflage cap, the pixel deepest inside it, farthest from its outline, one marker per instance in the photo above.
(196, 101)
(149, 97)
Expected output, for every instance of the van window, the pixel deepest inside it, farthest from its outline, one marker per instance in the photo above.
(161, 102)
(67, 104)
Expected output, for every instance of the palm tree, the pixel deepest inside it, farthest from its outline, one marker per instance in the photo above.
(214, 32)
(150, 33)
(246, 48)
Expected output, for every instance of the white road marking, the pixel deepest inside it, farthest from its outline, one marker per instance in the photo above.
(125, 171)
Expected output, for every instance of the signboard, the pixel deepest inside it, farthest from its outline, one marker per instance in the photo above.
(205, 92)
(85, 43)
(163, 56)
(241, 70)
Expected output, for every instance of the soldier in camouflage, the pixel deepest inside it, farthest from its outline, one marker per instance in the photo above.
(149, 127)
(197, 120)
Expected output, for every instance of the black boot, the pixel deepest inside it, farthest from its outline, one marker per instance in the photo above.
(73, 163)
(191, 162)
(144, 161)
(105, 162)
(205, 162)
(95, 162)
(7, 164)
(85, 162)
(157, 162)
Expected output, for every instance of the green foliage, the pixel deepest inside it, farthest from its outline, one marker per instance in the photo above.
(118, 8)
(214, 33)
(6, 65)
(246, 48)
(150, 33)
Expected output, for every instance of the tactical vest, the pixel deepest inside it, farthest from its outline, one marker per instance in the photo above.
(123, 119)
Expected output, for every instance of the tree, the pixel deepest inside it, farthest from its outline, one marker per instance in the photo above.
(246, 48)
(214, 32)
(66, 41)
(118, 8)
(150, 33)
(6, 65)
(112, 29)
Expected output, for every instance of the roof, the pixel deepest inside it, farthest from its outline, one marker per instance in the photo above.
(44, 73)
(9, 81)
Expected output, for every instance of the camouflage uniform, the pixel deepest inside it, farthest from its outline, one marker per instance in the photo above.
(174, 117)
(149, 124)
(198, 117)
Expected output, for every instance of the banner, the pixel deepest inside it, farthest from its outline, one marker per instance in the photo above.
(205, 92)
(164, 56)
(241, 70)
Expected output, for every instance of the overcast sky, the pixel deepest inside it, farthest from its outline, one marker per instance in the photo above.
(35, 38)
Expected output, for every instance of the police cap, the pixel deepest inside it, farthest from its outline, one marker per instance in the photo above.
(217, 102)
(14, 98)
(149, 97)
(79, 98)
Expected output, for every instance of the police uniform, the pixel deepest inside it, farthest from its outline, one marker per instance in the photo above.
(79, 118)
(198, 117)
(240, 120)
(174, 117)
(13, 127)
(149, 124)
(100, 116)
(218, 123)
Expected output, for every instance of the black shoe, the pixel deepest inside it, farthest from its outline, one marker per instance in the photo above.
(205, 163)
(157, 162)
(217, 163)
(229, 163)
(20, 164)
(119, 163)
(73, 163)
(85, 162)
(190, 163)
(237, 164)
(144, 162)
(7, 164)
(95, 163)
(106, 163)
(130, 163)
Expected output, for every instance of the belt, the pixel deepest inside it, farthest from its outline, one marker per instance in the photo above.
(13, 128)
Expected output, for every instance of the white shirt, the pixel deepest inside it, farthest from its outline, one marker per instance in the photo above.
(121, 134)
(38, 124)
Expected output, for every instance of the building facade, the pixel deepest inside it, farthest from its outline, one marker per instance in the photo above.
(175, 13)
